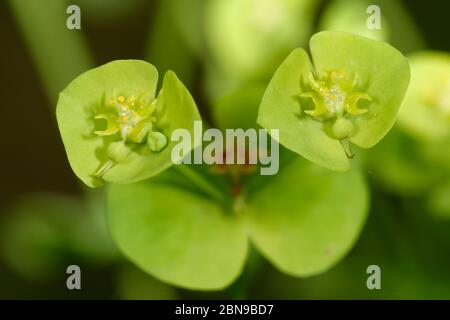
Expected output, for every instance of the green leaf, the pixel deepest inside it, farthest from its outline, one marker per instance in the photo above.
(313, 223)
(176, 235)
(351, 94)
(100, 144)
(425, 112)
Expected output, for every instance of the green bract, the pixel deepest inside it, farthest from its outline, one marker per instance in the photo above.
(425, 113)
(196, 243)
(350, 94)
(115, 129)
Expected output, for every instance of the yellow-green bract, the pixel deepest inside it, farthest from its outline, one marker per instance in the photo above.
(351, 93)
(113, 126)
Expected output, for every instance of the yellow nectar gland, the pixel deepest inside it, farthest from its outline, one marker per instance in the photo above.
(335, 100)
(333, 96)
(132, 119)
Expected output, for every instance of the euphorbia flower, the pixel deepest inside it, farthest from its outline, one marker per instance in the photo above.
(303, 220)
(350, 94)
(113, 126)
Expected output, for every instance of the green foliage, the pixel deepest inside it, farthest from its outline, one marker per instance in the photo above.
(53, 47)
(187, 232)
(195, 229)
(313, 223)
(247, 36)
(439, 200)
(425, 112)
(345, 15)
(199, 244)
(239, 109)
(44, 233)
(134, 284)
(176, 235)
(398, 164)
(414, 159)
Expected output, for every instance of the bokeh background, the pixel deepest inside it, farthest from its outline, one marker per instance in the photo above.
(48, 222)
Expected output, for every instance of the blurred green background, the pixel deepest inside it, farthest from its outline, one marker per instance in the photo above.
(48, 221)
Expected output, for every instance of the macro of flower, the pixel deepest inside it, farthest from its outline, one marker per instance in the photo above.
(350, 94)
(115, 128)
(225, 149)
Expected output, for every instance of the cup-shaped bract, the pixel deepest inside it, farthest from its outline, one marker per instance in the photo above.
(350, 93)
(425, 113)
(115, 129)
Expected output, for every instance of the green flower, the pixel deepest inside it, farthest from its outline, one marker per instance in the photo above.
(132, 119)
(350, 95)
(113, 126)
(334, 99)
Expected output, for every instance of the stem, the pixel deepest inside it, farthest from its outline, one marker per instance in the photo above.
(347, 148)
(165, 40)
(58, 53)
(106, 167)
(201, 182)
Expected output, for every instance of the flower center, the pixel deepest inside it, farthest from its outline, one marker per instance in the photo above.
(133, 119)
(333, 95)
(336, 101)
